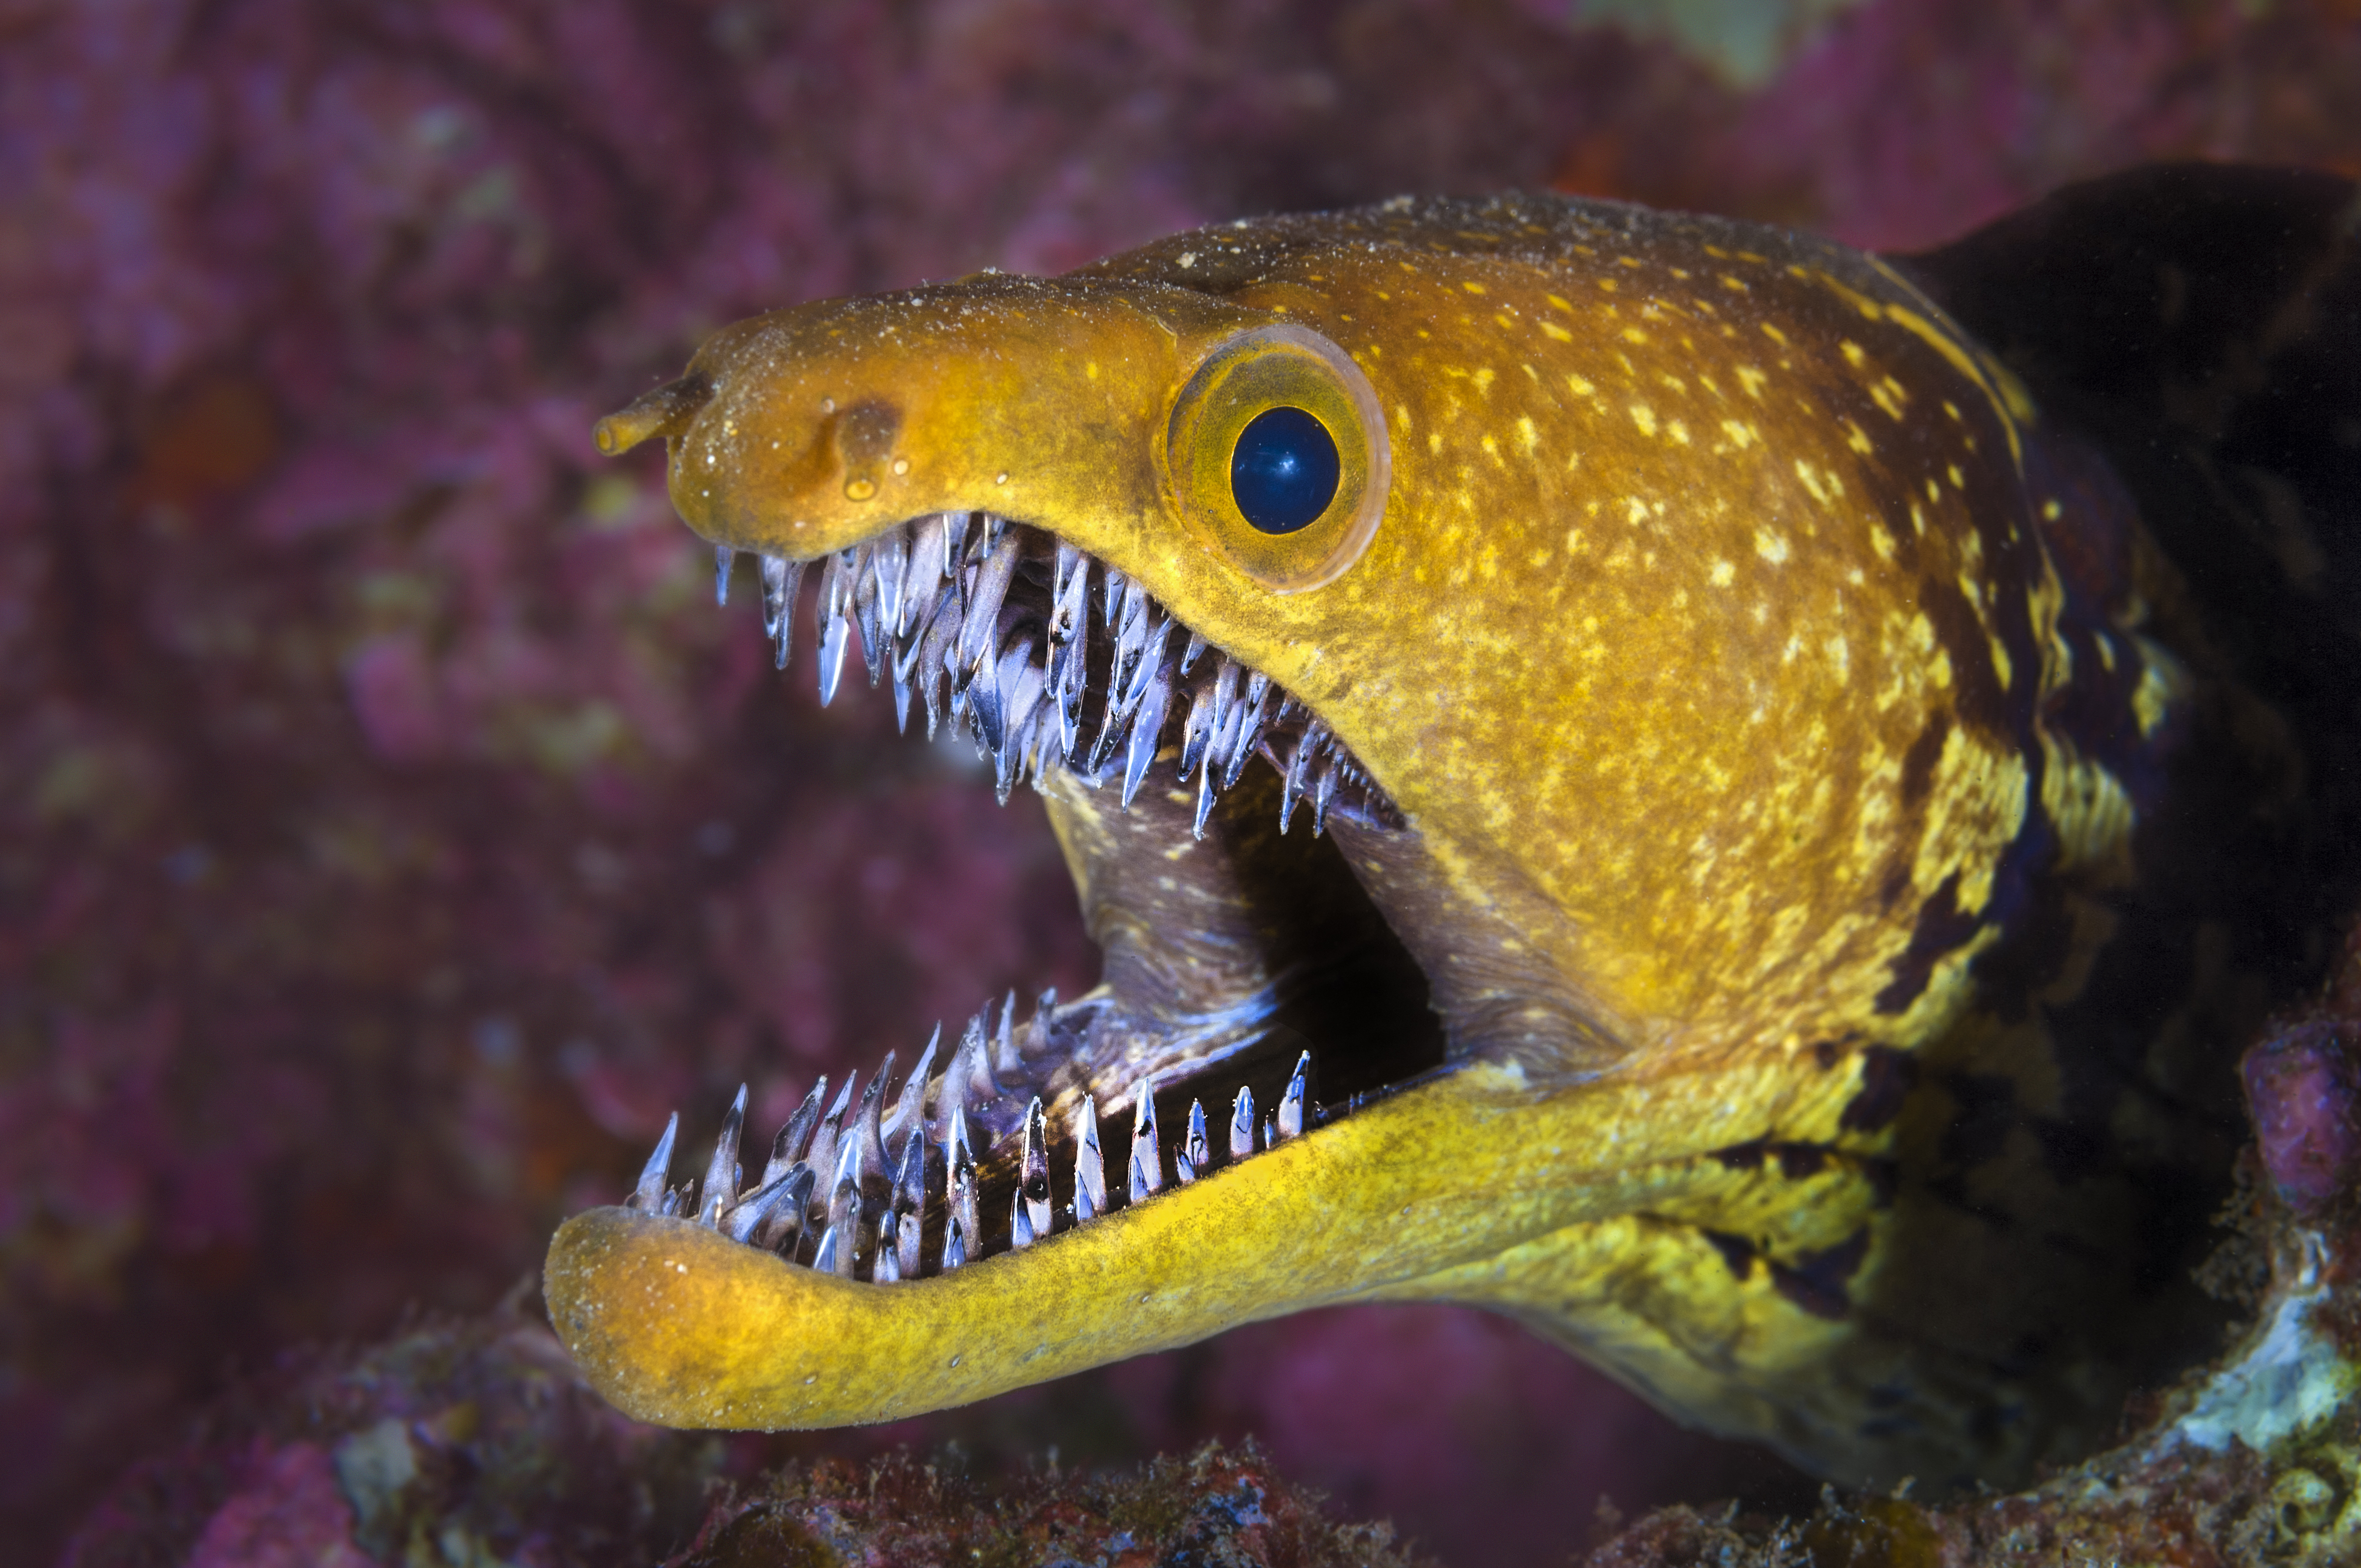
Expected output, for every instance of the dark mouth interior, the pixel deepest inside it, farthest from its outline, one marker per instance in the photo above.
(1054, 662)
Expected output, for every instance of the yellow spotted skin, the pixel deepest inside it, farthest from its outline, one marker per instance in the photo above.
(1766, 778)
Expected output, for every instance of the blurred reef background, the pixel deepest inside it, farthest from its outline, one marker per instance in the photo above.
(392, 831)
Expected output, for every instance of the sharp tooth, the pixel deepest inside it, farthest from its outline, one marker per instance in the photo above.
(937, 651)
(1005, 1063)
(1147, 1157)
(1020, 682)
(910, 1173)
(1153, 661)
(901, 673)
(1112, 595)
(1324, 790)
(1090, 1166)
(1139, 655)
(1138, 658)
(976, 1053)
(723, 559)
(1206, 791)
(785, 1226)
(1196, 730)
(1038, 1027)
(782, 580)
(835, 641)
(1135, 605)
(831, 1132)
(1129, 644)
(955, 527)
(721, 1172)
(889, 564)
(1298, 769)
(1242, 1124)
(1035, 748)
(899, 1261)
(1270, 1133)
(1198, 1155)
(679, 1201)
(1033, 1173)
(1228, 713)
(959, 1148)
(987, 701)
(957, 1083)
(1290, 1105)
(1194, 652)
(976, 636)
(1069, 591)
(867, 1120)
(922, 573)
(649, 1195)
(909, 1205)
(1146, 726)
(955, 1246)
(764, 1216)
(1225, 692)
(835, 592)
(1020, 1225)
(909, 1118)
(843, 1212)
(868, 613)
(1069, 663)
(1250, 722)
(794, 1139)
(960, 1192)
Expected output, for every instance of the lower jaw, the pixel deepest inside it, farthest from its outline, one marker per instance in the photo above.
(677, 1324)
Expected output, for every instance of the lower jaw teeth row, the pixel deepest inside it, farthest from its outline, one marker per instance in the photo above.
(930, 601)
(853, 1197)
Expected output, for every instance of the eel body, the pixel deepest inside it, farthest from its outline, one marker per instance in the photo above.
(1626, 773)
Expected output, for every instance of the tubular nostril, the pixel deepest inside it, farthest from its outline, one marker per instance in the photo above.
(663, 411)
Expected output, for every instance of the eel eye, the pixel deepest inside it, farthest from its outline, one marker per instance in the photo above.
(1276, 457)
(1284, 474)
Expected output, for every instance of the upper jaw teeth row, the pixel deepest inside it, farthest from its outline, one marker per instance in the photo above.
(853, 1198)
(931, 600)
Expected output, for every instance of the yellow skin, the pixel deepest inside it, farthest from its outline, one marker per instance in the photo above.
(1706, 647)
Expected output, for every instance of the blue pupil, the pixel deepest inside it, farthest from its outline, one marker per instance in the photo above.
(1284, 474)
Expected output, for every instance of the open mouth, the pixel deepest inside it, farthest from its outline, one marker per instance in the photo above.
(1297, 1008)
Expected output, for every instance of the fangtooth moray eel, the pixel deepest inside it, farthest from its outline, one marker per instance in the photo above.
(1626, 771)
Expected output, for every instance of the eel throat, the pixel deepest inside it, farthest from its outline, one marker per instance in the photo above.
(1620, 770)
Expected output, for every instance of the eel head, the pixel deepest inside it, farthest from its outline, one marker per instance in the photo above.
(1482, 684)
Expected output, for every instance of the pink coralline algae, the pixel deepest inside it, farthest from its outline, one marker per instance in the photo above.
(2305, 1093)
(391, 829)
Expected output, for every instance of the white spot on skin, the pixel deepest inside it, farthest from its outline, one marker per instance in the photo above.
(1771, 546)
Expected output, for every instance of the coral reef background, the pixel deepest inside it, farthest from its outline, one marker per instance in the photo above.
(391, 832)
